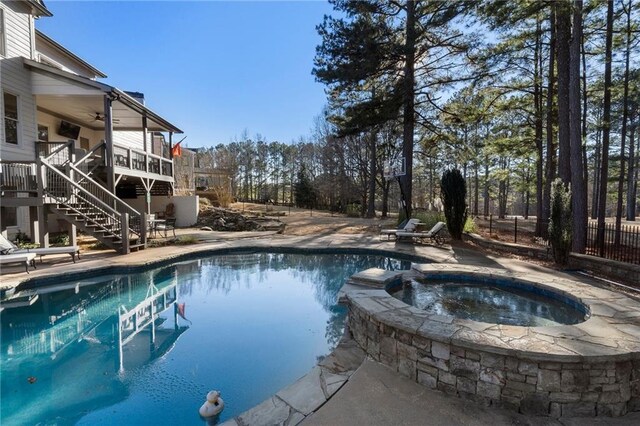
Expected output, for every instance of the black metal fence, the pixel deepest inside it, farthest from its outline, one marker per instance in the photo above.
(625, 248)
(514, 229)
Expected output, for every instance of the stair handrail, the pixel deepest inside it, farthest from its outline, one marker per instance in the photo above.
(76, 185)
(125, 208)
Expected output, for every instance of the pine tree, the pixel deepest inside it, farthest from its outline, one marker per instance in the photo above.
(304, 192)
(453, 192)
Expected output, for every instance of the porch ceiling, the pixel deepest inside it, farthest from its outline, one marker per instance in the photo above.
(79, 100)
(84, 110)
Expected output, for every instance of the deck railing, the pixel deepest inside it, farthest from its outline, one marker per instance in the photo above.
(18, 178)
(56, 153)
(138, 160)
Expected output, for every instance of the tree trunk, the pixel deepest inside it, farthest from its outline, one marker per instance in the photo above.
(409, 106)
(371, 207)
(596, 167)
(537, 100)
(606, 129)
(584, 111)
(550, 171)
(385, 198)
(578, 185)
(476, 187)
(625, 115)
(563, 28)
(632, 178)
(486, 188)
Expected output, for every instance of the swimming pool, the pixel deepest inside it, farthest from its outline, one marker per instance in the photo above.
(87, 351)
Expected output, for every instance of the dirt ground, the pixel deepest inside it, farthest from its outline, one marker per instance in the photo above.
(307, 222)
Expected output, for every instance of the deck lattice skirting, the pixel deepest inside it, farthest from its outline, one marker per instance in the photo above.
(587, 369)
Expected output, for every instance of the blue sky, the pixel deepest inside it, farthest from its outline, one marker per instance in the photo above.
(213, 69)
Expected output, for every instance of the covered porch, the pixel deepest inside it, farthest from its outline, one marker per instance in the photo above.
(128, 145)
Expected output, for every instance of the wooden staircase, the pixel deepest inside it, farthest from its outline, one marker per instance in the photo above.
(76, 197)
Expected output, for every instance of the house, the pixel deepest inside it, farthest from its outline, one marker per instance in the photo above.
(73, 150)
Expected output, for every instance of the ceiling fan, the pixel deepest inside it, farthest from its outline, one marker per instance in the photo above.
(100, 117)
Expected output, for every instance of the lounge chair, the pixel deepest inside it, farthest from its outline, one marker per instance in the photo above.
(433, 234)
(25, 258)
(8, 248)
(409, 226)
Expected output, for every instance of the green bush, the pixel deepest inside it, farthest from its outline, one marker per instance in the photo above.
(353, 210)
(560, 224)
(59, 240)
(470, 225)
(430, 218)
(453, 192)
(184, 240)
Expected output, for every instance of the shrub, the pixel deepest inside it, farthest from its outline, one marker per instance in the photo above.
(453, 192)
(353, 210)
(560, 224)
(184, 240)
(59, 240)
(470, 225)
(430, 218)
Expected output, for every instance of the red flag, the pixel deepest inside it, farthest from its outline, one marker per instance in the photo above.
(176, 151)
(181, 309)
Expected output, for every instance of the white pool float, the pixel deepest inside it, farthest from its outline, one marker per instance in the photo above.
(213, 405)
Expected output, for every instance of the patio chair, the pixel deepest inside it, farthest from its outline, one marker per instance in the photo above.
(25, 258)
(433, 234)
(169, 224)
(408, 226)
(7, 247)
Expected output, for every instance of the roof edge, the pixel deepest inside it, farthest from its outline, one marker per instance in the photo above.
(38, 6)
(70, 54)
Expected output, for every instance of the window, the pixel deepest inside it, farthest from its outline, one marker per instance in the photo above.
(3, 43)
(43, 133)
(11, 122)
(84, 143)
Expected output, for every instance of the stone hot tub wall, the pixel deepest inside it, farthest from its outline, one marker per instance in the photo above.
(505, 366)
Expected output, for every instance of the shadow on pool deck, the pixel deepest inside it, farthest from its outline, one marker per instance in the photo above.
(376, 395)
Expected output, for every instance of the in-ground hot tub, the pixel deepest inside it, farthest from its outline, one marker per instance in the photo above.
(490, 299)
(588, 368)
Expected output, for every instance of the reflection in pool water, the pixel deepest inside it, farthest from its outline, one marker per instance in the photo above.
(114, 349)
(487, 302)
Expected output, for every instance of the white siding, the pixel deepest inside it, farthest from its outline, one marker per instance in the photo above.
(65, 63)
(131, 139)
(17, 80)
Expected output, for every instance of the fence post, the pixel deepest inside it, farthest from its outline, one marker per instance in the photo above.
(515, 232)
(490, 224)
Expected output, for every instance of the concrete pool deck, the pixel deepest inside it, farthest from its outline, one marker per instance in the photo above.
(355, 400)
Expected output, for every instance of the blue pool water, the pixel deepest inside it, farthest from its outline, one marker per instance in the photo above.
(254, 324)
